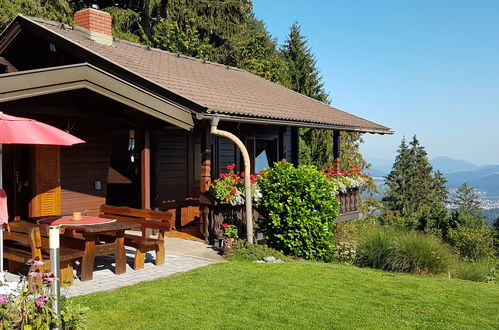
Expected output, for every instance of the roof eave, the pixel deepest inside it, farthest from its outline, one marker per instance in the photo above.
(32, 83)
(292, 123)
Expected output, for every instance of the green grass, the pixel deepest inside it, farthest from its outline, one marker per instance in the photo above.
(295, 295)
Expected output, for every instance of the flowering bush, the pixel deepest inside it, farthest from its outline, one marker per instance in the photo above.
(229, 188)
(31, 307)
(345, 252)
(344, 180)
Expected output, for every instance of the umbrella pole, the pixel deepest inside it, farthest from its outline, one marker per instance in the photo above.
(2, 274)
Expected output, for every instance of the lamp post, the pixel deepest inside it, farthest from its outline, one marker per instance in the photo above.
(54, 244)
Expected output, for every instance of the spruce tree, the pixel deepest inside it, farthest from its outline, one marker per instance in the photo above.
(395, 198)
(466, 200)
(412, 186)
(316, 145)
(304, 75)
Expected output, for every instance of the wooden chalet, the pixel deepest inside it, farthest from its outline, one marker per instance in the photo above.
(144, 114)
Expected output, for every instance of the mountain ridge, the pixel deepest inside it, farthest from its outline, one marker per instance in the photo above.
(456, 171)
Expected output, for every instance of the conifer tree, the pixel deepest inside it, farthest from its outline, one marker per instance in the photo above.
(412, 185)
(395, 198)
(304, 75)
(466, 200)
(316, 145)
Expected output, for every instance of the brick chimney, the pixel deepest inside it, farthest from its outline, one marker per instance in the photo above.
(94, 24)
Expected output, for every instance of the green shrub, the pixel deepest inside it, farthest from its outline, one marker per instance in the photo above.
(418, 253)
(478, 271)
(299, 206)
(251, 252)
(374, 247)
(473, 243)
(411, 252)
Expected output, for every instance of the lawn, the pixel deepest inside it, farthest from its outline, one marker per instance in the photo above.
(296, 295)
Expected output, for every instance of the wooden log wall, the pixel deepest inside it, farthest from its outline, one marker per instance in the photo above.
(176, 182)
(81, 166)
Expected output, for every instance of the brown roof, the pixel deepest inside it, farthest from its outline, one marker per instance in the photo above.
(218, 88)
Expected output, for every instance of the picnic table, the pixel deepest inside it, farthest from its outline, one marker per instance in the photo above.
(84, 234)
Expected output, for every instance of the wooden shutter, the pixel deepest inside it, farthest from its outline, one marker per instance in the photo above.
(47, 183)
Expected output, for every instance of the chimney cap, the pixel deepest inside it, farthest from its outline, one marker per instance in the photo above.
(94, 6)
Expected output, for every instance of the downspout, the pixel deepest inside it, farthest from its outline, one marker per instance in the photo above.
(247, 170)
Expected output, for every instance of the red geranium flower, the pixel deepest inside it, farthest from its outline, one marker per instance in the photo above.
(234, 191)
(231, 167)
(227, 197)
(225, 225)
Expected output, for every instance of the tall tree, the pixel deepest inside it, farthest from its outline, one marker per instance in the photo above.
(397, 180)
(466, 200)
(316, 145)
(304, 75)
(57, 10)
(412, 185)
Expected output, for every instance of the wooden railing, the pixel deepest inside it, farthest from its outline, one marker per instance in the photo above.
(349, 201)
(213, 215)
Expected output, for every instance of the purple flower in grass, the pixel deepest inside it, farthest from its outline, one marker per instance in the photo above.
(4, 299)
(50, 277)
(35, 273)
(40, 301)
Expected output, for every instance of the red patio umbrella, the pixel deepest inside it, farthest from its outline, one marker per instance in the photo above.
(17, 130)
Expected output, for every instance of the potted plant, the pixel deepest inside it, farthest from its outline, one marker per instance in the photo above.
(230, 236)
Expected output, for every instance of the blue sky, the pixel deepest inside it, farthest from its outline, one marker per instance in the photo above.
(429, 68)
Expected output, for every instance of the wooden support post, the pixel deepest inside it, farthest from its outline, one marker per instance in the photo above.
(145, 176)
(206, 152)
(283, 146)
(295, 145)
(336, 150)
(205, 158)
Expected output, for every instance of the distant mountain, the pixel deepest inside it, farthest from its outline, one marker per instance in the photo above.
(376, 173)
(380, 167)
(485, 178)
(457, 171)
(450, 165)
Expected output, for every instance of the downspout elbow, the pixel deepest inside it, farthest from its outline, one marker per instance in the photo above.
(214, 124)
(247, 169)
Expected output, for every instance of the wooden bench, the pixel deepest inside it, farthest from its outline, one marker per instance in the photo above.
(147, 219)
(28, 241)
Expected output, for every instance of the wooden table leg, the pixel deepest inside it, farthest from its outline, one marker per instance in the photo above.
(119, 255)
(87, 265)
